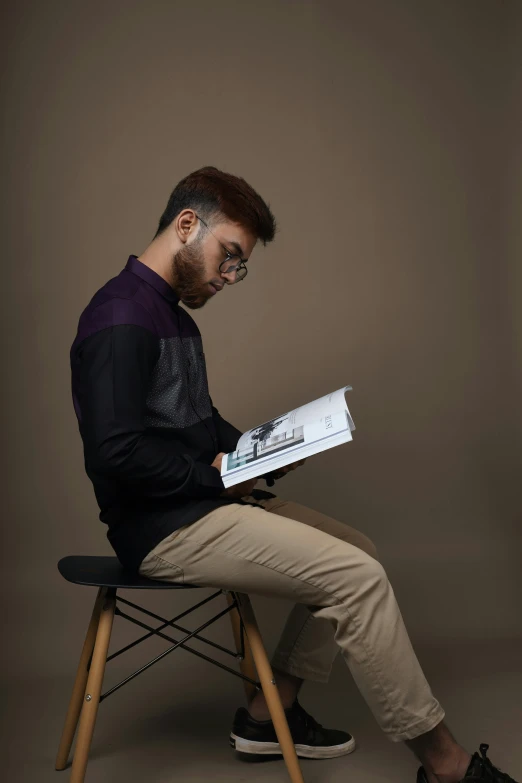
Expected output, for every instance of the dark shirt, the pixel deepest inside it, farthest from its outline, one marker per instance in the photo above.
(150, 431)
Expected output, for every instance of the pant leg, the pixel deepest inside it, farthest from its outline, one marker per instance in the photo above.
(307, 647)
(251, 550)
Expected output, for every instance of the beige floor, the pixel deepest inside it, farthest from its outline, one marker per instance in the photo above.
(161, 728)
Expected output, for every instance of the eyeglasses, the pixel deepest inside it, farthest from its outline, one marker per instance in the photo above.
(237, 266)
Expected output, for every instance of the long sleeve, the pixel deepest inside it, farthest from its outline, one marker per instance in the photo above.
(116, 364)
(228, 435)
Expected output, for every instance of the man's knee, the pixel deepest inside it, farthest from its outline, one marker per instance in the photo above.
(367, 545)
(364, 581)
(371, 577)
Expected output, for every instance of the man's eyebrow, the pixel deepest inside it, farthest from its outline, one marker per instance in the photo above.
(237, 247)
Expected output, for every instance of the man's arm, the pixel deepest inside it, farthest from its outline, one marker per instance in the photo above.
(115, 369)
(228, 435)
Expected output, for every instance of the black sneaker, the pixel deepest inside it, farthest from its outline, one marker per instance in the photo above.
(480, 769)
(311, 740)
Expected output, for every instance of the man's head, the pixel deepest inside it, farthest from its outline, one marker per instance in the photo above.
(208, 230)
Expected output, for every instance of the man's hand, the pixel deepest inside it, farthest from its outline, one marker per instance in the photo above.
(238, 490)
(277, 474)
(218, 460)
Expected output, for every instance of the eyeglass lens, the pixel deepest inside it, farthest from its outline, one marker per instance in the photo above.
(239, 268)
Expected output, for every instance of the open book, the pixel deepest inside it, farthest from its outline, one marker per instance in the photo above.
(307, 430)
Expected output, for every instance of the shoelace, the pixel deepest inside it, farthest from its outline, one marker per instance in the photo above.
(487, 767)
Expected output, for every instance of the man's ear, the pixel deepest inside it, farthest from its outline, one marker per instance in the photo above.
(186, 225)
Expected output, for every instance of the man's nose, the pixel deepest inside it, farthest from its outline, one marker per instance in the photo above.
(230, 276)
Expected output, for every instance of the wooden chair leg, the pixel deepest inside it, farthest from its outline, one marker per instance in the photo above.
(76, 701)
(93, 689)
(269, 687)
(246, 665)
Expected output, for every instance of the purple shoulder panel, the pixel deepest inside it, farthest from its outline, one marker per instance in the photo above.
(113, 312)
(129, 299)
(138, 297)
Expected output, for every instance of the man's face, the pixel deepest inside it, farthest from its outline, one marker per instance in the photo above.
(195, 267)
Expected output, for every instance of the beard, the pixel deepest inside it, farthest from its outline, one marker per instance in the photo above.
(188, 274)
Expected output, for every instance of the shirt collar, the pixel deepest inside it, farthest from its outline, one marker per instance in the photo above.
(151, 277)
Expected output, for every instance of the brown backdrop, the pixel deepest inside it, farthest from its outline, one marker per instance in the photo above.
(386, 139)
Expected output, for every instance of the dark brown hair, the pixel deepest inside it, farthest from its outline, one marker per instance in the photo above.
(215, 194)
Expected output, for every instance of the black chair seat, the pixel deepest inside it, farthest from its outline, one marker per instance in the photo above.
(106, 571)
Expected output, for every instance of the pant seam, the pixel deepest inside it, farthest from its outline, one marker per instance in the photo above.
(297, 640)
(377, 672)
(369, 662)
(368, 659)
(270, 568)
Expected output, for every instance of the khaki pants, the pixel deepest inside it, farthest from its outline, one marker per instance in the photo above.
(343, 599)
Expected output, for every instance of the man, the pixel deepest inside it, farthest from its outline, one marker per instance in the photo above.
(153, 444)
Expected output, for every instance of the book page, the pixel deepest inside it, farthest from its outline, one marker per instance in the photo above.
(312, 411)
(307, 430)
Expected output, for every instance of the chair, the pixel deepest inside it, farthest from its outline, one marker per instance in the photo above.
(107, 574)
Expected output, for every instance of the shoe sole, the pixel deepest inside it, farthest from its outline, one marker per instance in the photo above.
(303, 751)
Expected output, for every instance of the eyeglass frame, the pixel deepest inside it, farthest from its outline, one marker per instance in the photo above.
(235, 267)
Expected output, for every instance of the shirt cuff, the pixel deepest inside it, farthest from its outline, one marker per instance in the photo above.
(207, 481)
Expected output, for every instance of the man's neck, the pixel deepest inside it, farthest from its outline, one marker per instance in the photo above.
(157, 257)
